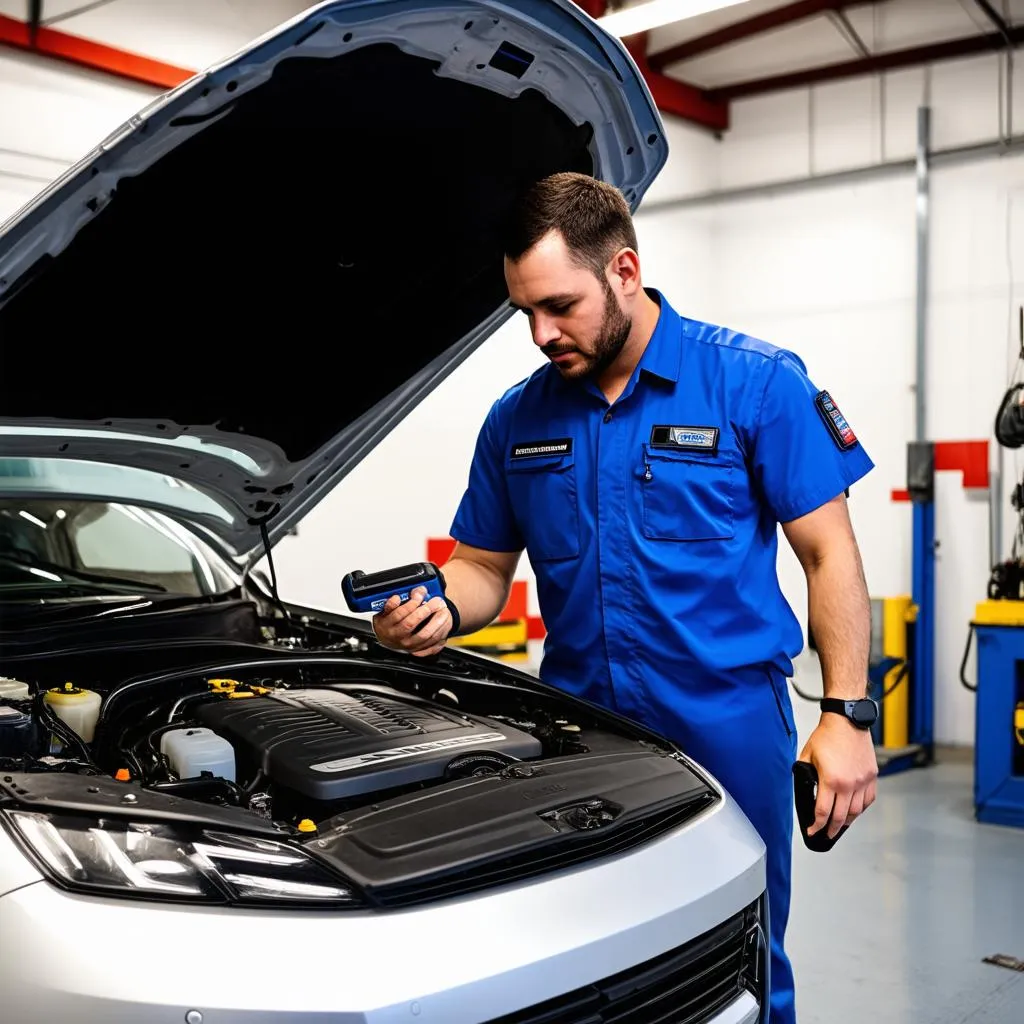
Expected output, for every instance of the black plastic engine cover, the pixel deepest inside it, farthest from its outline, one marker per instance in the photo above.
(332, 744)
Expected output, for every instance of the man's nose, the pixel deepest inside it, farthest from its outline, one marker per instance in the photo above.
(545, 330)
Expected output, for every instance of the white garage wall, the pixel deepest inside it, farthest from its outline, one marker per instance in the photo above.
(830, 272)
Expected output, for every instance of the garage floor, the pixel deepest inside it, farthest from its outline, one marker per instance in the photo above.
(891, 927)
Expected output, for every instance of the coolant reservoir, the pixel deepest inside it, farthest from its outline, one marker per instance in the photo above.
(14, 689)
(17, 731)
(78, 708)
(194, 751)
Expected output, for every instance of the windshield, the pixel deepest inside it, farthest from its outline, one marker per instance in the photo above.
(84, 548)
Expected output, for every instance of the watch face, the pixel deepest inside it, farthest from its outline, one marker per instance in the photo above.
(864, 712)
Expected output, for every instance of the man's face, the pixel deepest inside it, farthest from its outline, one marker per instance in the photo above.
(576, 319)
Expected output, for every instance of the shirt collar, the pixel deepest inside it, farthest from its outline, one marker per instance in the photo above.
(664, 352)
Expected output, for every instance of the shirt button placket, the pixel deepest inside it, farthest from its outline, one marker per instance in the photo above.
(605, 442)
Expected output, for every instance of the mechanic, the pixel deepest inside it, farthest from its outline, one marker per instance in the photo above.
(645, 470)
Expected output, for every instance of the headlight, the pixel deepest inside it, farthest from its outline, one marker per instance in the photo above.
(155, 861)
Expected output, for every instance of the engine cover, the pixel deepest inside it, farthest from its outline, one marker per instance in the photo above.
(336, 744)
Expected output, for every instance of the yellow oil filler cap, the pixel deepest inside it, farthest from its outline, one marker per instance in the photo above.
(222, 685)
(1018, 723)
(306, 825)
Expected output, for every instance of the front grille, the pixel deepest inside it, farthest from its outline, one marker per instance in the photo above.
(687, 985)
(547, 858)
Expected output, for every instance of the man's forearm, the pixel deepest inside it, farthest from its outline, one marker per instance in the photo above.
(840, 618)
(479, 591)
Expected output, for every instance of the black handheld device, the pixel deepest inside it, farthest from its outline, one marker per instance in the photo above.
(805, 795)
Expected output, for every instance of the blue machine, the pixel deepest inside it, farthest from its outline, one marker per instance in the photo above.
(999, 730)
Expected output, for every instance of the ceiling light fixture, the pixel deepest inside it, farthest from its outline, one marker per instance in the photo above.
(642, 17)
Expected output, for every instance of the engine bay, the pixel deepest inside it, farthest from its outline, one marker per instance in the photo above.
(296, 742)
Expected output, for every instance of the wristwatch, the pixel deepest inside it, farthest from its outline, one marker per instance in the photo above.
(863, 713)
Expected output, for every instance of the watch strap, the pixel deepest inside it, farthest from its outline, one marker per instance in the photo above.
(456, 618)
(846, 709)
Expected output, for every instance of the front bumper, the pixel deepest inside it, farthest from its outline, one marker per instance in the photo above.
(463, 961)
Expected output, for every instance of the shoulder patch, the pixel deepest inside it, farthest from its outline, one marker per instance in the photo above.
(841, 431)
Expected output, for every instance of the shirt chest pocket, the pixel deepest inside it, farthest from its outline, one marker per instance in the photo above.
(543, 493)
(687, 496)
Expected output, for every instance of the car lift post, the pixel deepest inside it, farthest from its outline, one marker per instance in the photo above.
(921, 487)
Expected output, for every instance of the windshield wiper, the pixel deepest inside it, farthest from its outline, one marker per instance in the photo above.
(67, 575)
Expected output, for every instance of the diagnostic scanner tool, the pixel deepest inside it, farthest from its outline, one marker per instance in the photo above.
(369, 592)
(805, 793)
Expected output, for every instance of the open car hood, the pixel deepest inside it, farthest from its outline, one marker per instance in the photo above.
(232, 299)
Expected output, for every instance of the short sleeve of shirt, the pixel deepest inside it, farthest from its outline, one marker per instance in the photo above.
(805, 452)
(484, 517)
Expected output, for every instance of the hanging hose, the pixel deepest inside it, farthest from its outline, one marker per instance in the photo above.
(901, 675)
(973, 687)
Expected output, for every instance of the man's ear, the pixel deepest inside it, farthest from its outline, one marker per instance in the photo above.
(624, 272)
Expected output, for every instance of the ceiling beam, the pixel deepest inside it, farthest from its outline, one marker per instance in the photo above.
(849, 33)
(996, 18)
(671, 96)
(778, 17)
(680, 99)
(915, 56)
(35, 18)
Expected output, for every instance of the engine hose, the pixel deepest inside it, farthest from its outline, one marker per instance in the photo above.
(67, 736)
(973, 687)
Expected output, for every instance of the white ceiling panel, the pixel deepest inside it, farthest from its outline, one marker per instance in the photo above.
(669, 35)
(804, 43)
(901, 24)
(883, 26)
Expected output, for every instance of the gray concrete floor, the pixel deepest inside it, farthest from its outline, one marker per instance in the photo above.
(891, 926)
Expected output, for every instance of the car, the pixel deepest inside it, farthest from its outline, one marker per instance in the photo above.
(219, 807)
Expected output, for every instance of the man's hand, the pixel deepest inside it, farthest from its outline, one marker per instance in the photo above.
(847, 769)
(396, 624)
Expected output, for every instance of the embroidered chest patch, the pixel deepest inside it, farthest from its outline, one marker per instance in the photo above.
(682, 438)
(538, 449)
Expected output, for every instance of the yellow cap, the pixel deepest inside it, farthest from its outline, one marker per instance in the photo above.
(306, 825)
(66, 694)
(223, 684)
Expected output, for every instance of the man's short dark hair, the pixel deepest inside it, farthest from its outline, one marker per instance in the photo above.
(592, 216)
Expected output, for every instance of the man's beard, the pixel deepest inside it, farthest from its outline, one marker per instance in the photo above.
(610, 340)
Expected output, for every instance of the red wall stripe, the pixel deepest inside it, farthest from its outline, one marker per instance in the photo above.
(85, 53)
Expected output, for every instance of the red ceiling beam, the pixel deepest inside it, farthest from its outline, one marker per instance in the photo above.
(85, 53)
(778, 17)
(671, 96)
(933, 52)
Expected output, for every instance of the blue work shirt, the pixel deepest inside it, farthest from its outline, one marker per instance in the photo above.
(651, 524)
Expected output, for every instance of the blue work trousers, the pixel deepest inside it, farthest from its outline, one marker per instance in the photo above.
(746, 737)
